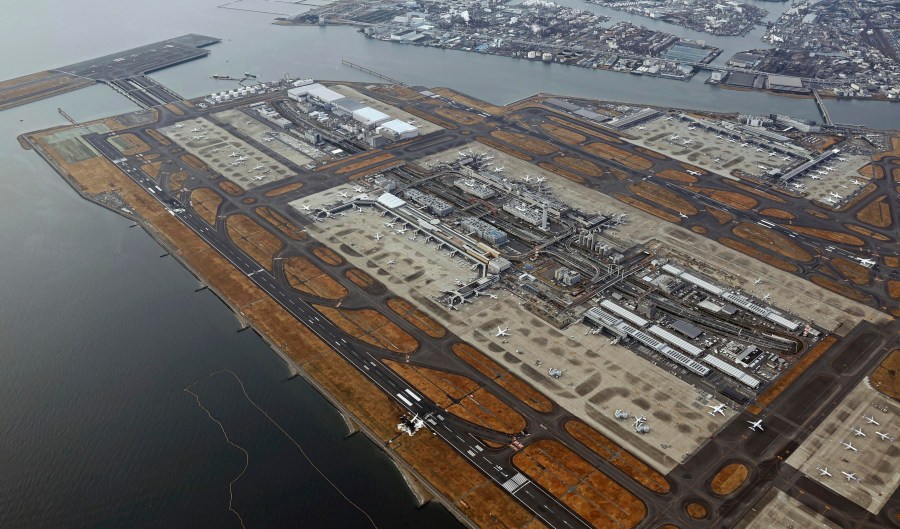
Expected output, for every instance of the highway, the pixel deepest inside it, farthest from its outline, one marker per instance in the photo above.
(496, 465)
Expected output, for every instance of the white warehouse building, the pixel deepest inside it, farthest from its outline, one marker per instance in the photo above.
(399, 130)
(370, 117)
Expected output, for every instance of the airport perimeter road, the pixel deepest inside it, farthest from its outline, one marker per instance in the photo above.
(457, 433)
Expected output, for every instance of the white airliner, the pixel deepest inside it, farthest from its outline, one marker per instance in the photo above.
(824, 471)
(401, 231)
(885, 437)
(669, 118)
(259, 177)
(868, 263)
(196, 129)
(829, 168)
(719, 408)
(687, 141)
(305, 207)
(718, 136)
(849, 446)
(758, 281)
(814, 177)
(830, 200)
(345, 195)
(358, 189)
(234, 154)
(842, 159)
(197, 137)
(871, 420)
(695, 173)
(850, 476)
(786, 158)
(835, 195)
(502, 332)
(692, 127)
(378, 236)
(757, 425)
(242, 159)
(717, 160)
(673, 138)
(759, 149)
(766, 297)
(178, 125)
(745, 144)
(258, 167)
(856, 183)
(773, 153)
(732, 140)
(682, 215)
(392, 262)
(858, 432)
(389, 225)
(641, 127)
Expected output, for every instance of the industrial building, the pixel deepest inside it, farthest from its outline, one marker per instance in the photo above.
(485, 231)
(398, 130)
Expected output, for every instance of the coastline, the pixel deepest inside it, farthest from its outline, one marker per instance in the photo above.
(453, 482)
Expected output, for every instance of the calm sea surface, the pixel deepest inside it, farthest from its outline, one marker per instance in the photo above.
(99, 335)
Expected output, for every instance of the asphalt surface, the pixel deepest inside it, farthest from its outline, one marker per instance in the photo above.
(788, 421)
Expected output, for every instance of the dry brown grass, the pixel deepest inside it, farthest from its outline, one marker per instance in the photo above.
(205, 202)
(758, 192)
(581, 165)
(328, 256)
(722, 216)
(563, 134)
(816, 214)
(616, 154)
(697, 511)
(253, 239)
(871, 171)
(658, 156)
(371, 327)
(866, 232)
(886, 377)
(840, 288)
(281, 223)
(729, 479)
(663, 197)
(422, 321)
(394, 163)
(876, 213)
(284, 189)
(771, 240)
(360, 278)
(342, 161)
(303, 275)
(643, 206)
(592, 494)
(173, 108)
(176, 180)
(857, 274)
(759, 255)
(676, 176)
(508, 381)
(526, 143)
(484, 408)
(502, 147)
(152, 169)
(562, 172)
(618, 456)
(159, 138)
(892, 260)
(783, 382)
(135, 144)
(893, 288)
(729, 198)
(828, 235)
(231, 188)
(586, 129)
(193, 162)
(443, 388)
(699, 229)
(368, 162)
(459, 116)
(776, 213)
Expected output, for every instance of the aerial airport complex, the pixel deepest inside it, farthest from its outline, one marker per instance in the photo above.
(556, 313)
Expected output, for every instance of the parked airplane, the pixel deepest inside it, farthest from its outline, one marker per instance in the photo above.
(824, 472)
(814, 177)
(687, 141)
(798, 186)
(773, 153)
(392, 262)
(673, 138)
(258, 167)
(858, 432)
(786, 158)
(717, 160)
(885, 437)
(242, 159)
(692, 127)
(695, 173)
(842, 159)
(719, 408)
(234, 154)
(305, 207)
(718, 136)
(766, 297)
(669, 118)
(757, 425)
(745, 144)
(196, 129)
(732, 140)
(641, 127)
(502, 332)
(830, 200)
(682, 215)
(759, 149)
(871, 420)
(856, 183)
(345, 195)
(850, 476)
(758, 281)
(358, 189)
(835, 195)
(829, 168)
(868, 263)
(401, 231)
(389, 225)
(378, 236)
(259, 177)
(849, 446)
(178, 125)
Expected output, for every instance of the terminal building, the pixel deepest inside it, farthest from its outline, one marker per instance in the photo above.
(485, 231)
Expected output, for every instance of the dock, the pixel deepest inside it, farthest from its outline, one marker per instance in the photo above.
(391, 80)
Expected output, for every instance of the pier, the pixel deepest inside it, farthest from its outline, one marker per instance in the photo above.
(391, 80)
